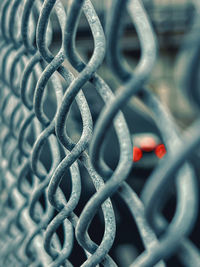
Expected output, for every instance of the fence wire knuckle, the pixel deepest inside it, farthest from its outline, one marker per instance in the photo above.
(39, 220)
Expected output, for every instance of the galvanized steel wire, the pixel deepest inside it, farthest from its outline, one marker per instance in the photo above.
(28, 232)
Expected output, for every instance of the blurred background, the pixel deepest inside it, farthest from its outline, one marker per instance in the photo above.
(178, 37)
(172, 21)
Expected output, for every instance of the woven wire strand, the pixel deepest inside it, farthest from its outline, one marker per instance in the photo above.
(32, 75)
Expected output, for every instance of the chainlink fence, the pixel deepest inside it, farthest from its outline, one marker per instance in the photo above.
(62, 204)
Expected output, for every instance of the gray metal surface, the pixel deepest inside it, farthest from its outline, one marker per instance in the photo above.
(37, 91)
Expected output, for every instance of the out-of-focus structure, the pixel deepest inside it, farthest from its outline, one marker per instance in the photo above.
(99, 143)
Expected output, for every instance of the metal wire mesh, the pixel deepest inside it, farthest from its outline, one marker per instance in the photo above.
(38, 87)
